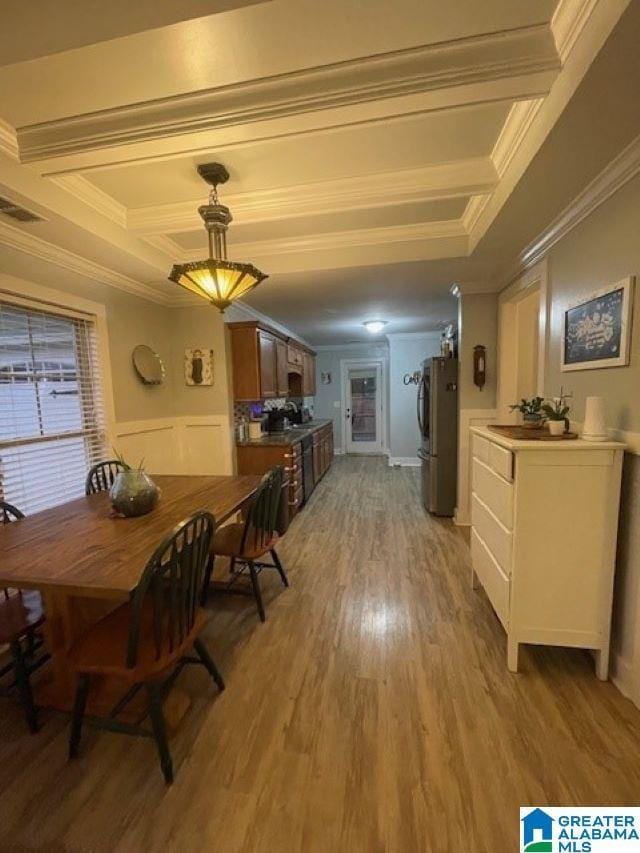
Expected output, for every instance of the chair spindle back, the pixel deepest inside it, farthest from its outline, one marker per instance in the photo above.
(100, 478)
(9, 513)
(262, 518)
(172, 582)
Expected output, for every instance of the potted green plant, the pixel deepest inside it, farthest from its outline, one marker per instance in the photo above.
(556, 411)
(133, 492)
(531, 411)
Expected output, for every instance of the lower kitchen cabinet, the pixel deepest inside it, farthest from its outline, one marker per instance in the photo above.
(322, 451)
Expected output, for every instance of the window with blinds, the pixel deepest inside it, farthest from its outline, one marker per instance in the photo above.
(52, 424)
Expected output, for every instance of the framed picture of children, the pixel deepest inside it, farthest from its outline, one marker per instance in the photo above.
(198, 366)
(597, 330)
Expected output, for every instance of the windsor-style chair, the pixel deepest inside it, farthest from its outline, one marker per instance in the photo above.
(147, 641)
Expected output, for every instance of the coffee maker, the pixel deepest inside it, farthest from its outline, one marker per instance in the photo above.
(278, 420)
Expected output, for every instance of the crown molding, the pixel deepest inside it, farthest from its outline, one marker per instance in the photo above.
(353, 345)
(239, 311)
(95, 198)
(526, 53)
(421, 231)
(516, 125)
(445, 180)
(473, 288)
(568, 20)
(16, 238)
(614, 176)
(589, 35)
(414, 336)
(8, 140)
(473, 211)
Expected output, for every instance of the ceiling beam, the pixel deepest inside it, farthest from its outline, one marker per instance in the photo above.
(514, 64)
(445, 180)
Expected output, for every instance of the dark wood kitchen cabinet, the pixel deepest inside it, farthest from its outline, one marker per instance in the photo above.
(268, 369)
(308, 374)
(262, 360)
(282, 371)
(322, 451)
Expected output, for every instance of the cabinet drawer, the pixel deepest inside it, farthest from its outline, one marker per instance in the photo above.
(496, 537)
(494, 582)
(501, 460)
(494, 491)
(480, 448)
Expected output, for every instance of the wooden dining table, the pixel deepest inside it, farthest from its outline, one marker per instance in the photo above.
(85, 561)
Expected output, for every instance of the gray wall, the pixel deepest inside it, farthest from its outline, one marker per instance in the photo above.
(406, 354)
(131, 321)
(477, 324)
(602, 249)
(327, 396)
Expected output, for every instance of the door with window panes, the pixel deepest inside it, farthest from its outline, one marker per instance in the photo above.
(52, 424)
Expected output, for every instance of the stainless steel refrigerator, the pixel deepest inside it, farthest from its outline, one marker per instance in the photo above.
(438, 423)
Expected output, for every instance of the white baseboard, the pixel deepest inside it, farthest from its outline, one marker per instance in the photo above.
(622, 675)
(338, 451)
(404, 461)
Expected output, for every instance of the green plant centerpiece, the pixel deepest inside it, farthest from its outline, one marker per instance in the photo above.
(556, 412)
(531, 411)
(133, 492)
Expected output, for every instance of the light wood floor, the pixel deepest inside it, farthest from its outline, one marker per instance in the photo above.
(372, 712)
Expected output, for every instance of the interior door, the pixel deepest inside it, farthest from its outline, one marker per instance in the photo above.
(363, 421)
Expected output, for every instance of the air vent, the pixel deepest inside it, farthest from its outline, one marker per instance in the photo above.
(10, 208)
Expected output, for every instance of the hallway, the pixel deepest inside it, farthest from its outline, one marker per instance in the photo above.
(372, 712)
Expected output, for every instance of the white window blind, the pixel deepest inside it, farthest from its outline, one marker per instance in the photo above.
(52, 424)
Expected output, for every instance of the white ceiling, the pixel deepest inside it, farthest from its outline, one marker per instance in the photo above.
(369, 153)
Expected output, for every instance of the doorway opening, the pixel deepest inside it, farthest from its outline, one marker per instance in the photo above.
(363, 406)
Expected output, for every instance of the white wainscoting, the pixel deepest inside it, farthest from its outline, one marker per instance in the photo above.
(467, 419)
(190, 444)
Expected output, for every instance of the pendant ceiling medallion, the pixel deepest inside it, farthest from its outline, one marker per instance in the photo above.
(216, 279)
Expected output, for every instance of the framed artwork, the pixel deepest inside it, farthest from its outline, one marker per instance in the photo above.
(597, 330)
(198, 366)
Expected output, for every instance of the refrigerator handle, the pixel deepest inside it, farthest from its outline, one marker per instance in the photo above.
(420, 399)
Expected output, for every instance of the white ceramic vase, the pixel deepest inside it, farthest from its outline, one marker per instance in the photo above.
(556, 427)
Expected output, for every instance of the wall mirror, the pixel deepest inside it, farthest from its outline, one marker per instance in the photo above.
(148, 365)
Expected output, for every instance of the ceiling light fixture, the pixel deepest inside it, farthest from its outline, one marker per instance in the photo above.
(374, 326)
(216, 279)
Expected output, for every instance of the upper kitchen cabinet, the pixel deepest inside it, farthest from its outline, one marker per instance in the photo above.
(264, 361)
(308, 374)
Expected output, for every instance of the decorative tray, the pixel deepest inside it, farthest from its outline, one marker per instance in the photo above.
(530, 433)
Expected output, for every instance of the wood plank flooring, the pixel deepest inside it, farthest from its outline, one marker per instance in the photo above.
(372, 712)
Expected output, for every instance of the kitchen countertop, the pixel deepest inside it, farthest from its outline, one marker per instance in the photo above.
(287, 438)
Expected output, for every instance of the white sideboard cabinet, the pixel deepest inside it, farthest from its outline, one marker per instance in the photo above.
(543, 538)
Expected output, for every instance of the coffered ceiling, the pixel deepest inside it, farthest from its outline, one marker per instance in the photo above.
(368, 142)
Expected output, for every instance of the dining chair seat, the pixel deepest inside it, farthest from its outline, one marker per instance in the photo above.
(245, 543)
(102, 650)
(20, 613)
(228, 543)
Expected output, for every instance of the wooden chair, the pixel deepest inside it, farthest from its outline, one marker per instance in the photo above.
(21, 614)
(100, 478)
(147, 641)
(246, 542)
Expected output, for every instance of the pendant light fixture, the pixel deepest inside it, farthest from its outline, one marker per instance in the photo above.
(216, 279)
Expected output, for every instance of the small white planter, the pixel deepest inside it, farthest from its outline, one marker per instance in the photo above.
(556, 427)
